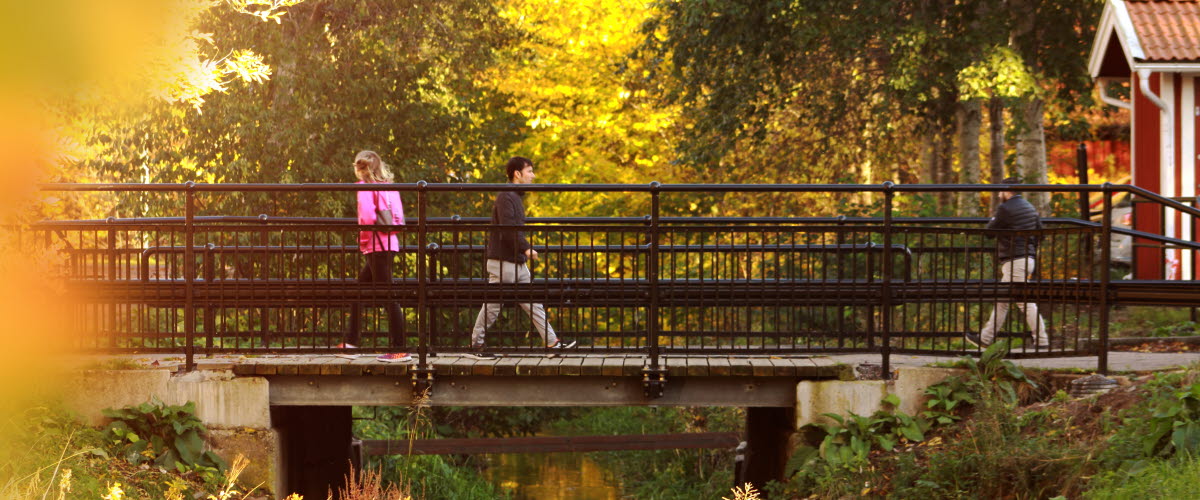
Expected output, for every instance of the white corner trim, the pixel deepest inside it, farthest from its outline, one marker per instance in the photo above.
(1125, 30)
(1115, 18)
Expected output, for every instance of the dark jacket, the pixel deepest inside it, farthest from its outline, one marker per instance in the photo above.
(508, 244)
(1016, 213)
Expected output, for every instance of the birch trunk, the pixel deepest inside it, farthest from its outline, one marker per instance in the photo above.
(1031, 151)
(970, 120)
(996, 148)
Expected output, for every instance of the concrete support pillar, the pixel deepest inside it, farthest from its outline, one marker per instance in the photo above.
(316, 445)
(768, 434)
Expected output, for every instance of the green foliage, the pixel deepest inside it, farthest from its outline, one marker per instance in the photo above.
(846, 445)
(426, 476)
(1168, 425)
(989, 376)
(1160, 479)
(49, 451)
(162, 435)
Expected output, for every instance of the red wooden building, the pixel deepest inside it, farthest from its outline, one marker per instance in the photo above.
(1154, 46)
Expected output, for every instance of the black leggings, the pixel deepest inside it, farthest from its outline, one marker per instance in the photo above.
(377, 270)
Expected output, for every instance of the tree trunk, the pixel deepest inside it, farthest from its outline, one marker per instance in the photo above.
(996, 149)
(936, 159)
(970, 120)
(1031, 151)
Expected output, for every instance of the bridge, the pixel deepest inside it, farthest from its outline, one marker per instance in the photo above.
(666, 307)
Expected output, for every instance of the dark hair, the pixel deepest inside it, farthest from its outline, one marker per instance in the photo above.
(1011, 180)
(516, 164)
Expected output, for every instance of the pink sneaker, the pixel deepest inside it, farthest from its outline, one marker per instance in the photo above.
(395, 357)
(346, 355)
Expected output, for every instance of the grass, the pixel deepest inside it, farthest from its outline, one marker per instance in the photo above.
(1164, 479)
(1148, 321)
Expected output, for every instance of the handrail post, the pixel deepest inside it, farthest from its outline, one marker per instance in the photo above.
(1105, 274)
(111, 272)
(654, 377)
(1081, 168)
(422, 373)
(885, 287)
(189, 279)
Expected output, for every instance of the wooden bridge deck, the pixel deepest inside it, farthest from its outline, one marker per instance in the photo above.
(583, 365)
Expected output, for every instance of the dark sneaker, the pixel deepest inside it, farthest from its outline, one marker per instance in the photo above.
(477, 352)
(394, 357)
(974, 339)
(480, 355)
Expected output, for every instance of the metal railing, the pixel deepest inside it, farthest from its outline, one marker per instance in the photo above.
(644, 284)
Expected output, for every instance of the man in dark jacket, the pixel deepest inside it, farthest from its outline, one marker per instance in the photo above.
(507, 254)
(1016, 256)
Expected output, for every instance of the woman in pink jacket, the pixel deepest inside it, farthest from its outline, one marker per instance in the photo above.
(379, 248)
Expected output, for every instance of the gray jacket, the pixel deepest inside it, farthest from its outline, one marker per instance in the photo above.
(1016, 213)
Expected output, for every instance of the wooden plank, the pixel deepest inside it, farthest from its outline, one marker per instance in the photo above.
(783, 367)
(591, 366)
(761, 367)
(697, 366)
(481, 367)
(527, 365)
(740, 367)
(506, 366)
(612, 367)
(571, 367)
(676, 365)
(310, 369)
(330, 369)
(350, 369)
(632, 367)
(441, 367)
(719, 367)
(289, 369)
(549, 367)
(397, 369)
(552, 444)
(462, 365)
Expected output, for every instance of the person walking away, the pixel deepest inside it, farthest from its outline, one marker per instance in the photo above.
(1016, 256)
(379, 248)
(507, 255)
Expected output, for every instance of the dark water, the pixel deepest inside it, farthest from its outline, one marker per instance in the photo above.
(551, 476)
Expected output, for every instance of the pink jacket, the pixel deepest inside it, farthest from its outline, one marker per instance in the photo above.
(369, 202)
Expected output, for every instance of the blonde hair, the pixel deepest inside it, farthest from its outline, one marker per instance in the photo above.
(376, 171)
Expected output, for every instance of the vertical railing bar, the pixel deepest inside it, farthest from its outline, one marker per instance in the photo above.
(189, 267)
(1105, 258)
(652, 327)
(885, 287)
(422, 289)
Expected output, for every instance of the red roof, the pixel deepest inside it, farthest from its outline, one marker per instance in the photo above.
(1167, 30)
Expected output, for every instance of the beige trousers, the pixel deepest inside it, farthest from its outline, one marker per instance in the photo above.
(1016, 271)
(510, 272)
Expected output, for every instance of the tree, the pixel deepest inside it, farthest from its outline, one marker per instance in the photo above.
(401, 78)
(732, 64)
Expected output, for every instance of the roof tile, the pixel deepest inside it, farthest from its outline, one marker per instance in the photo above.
(1168, 30)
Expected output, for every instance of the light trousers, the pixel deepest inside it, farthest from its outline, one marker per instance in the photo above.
(1016, 271)
(510, 272)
